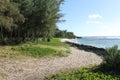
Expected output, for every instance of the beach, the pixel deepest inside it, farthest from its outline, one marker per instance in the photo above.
(38, 69)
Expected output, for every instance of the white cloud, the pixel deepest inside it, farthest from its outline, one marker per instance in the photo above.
(94, 16)
(94, 19)
(94, 22)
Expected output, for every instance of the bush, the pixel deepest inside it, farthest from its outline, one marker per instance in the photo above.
(4, 41)
(10, 41)
(112, 59)
(81, 74)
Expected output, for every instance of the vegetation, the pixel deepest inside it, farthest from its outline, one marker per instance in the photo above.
(22, 20)
(42, 49)
(38, 51)
(54, 42)
(10, 16)
(82, 74)
(64, 34)
(28, 20)
(108, 70)
(111, 60)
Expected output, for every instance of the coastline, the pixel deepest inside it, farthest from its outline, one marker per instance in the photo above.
(67, 40)
(98, 51)
(38, 69)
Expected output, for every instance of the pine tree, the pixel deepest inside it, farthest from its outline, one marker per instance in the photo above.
(9, 18)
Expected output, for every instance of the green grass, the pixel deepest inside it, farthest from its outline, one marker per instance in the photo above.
(39, 51)
(42, 49)
(82, 74)
(54, 42)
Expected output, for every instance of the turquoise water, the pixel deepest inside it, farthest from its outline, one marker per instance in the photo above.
(101, 42)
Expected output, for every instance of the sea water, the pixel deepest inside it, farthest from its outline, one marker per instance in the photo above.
(100, 42)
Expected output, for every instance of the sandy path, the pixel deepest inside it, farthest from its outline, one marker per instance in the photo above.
(37, 69)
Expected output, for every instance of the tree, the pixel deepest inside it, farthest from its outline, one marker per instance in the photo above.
(29, 19)
(41, 17)
(9, 18)
(26, 8)
(47, 12)
(64, 34)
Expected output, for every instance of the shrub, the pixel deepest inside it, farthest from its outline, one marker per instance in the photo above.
(81, 74)
(4, 41)
(112, 59)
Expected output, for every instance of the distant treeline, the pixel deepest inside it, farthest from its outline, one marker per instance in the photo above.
(22, 20)
(64, 34)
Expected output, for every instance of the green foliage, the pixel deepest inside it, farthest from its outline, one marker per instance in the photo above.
(10, 17)
(54, 42)
(64, 34)
(81, 74)
(112, 60)
(29, 19)
(43, 49)
(30, 49)
(9, 14)
(4, 41)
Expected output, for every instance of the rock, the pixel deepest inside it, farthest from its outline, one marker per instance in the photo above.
(98, 51)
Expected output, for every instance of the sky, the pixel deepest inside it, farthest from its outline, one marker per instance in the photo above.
(91, 17)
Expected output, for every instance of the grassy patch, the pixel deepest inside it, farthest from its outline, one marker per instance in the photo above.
(82, 74)
(54, 42)
(39, 51)
(8, 52)
(42, 49)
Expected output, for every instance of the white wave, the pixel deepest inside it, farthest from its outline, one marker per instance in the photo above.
(103, 37)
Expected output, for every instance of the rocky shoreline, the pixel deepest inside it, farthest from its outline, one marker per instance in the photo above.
(98, 51)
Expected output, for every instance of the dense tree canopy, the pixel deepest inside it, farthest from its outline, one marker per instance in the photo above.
(10, 17)
(22, 20)
(64, 34)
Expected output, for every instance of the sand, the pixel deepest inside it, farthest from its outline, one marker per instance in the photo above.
(38, 69)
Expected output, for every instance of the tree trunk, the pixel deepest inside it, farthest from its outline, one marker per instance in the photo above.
(1, 33)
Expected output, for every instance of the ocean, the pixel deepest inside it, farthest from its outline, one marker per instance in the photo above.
(100, 42)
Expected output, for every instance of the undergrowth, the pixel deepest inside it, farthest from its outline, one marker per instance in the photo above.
(111, 61)
(82, 74)
(40, 49)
